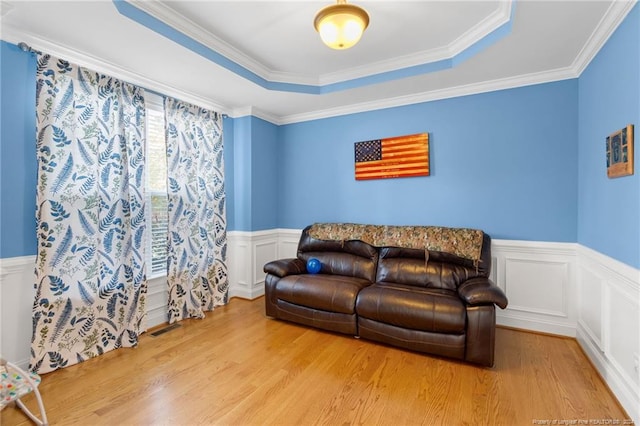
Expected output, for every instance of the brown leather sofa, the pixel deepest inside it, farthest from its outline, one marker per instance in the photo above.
(419, 299)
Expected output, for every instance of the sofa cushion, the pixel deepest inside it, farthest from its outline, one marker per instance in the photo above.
(325, 320)
(422, 269)
(444, 344)
(348, 258)
(426, 309)
(333, 293)
(344, 264)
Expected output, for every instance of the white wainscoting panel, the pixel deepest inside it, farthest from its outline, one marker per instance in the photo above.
(288, 243)
(539, 281)
(247, 254)
(590, 303)
(542, 286)
(608, 326)
(239, 258)
(17, 293)
(263, 252)
(157, 301)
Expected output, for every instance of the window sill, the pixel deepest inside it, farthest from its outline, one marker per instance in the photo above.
(156, 276)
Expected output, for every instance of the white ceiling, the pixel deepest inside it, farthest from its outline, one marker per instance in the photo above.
(413, 51)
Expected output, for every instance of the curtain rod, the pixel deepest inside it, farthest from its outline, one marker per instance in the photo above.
(26, 48)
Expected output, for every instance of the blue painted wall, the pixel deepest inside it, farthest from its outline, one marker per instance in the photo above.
(241, 200)
(504, 162)
(17, 152)
(264, 175)
(255, 163)
(609, 99)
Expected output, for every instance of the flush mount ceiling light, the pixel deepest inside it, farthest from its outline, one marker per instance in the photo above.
(341, 25)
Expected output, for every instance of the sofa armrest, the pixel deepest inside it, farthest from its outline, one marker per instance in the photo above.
(283, 267)
(481, 291)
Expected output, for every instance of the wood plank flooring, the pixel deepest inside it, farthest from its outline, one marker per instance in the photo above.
(237, 367)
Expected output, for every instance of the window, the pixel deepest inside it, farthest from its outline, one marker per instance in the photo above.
(156, 167)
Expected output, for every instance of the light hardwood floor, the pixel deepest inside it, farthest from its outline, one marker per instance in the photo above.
(237, 367)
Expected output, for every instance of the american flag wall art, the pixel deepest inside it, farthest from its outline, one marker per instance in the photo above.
(402, 156)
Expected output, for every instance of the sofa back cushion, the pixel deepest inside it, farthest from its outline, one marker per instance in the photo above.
(348, 258)
(431, 269)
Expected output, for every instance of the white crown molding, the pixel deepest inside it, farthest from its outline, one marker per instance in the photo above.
(388, 65)
(194, 31)
(616, 13)
(13, 35)
(434, 95)
(292, 78)
(255, 112)
(242, 111)
(479, 31)
(187, 27)
(612, 18)
(482, 29)
(5, 7)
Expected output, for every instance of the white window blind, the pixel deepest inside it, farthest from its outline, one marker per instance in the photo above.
(157, 217)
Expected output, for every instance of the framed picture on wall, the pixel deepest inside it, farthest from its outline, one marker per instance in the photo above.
(400, 156)
(620, 152)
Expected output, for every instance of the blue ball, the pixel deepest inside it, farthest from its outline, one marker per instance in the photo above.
(313, 265)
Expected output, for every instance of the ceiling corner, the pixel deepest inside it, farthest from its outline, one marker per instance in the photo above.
(189, 28)
(617, 11)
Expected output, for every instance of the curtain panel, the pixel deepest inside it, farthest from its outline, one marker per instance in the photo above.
(90, 271)
(197, 247)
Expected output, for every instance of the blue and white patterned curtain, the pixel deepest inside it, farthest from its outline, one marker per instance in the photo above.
(196, 264)
(90, 271)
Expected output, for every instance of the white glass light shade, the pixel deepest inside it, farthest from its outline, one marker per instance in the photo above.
(341, 25)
